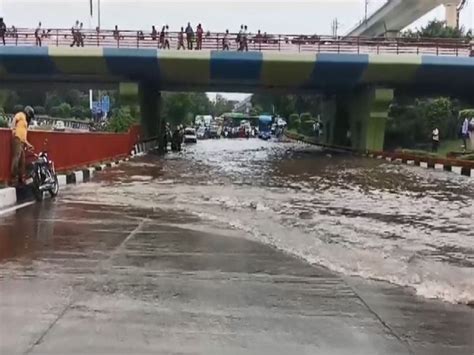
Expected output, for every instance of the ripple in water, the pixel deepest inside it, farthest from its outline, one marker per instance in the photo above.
(405, 225)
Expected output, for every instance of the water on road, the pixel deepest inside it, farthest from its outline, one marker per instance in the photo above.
(405, 225)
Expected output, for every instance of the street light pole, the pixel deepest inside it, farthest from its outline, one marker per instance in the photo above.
(98, 13)
(366, 9)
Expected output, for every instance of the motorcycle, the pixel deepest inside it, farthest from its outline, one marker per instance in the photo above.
(42, 176)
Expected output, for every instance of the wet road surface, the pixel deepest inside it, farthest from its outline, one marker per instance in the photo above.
(216, 251)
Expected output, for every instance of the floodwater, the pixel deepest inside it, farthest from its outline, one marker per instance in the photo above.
(405, 225)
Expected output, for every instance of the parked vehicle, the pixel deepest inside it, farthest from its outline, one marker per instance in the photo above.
(190, 135)
(42, 176)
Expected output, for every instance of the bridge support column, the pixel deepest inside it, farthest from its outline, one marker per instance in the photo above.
(153, 125)
(367, 110)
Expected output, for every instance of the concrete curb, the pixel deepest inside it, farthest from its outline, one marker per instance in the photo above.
(426, 163)
(7, 197)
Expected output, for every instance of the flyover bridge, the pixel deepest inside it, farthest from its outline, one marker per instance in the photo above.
(395, 15)
(358, 77)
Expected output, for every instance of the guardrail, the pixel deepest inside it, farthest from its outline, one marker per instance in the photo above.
(255, 42)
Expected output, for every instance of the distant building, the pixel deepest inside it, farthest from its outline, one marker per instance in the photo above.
(244, 106)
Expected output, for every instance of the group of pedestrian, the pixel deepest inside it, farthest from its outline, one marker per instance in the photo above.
(242, 39)
(77, 35)
(175, 138)
(466, 134)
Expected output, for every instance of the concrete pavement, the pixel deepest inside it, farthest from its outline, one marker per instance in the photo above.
(88, 278)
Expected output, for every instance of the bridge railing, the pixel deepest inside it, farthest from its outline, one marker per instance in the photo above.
(255, 42)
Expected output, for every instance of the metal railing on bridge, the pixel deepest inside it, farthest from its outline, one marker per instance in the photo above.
(255, 42)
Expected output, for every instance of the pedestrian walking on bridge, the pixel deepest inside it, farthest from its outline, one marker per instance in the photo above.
(3, 30)
(75, 32)
(189, 36)
(38, 35)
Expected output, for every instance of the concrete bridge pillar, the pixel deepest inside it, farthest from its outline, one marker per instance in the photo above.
(451, 13)
(148, 97)
(153, 125)
(368, 112)
(357, 119)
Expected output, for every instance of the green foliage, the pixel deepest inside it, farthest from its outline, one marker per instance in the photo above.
(3, 123)
(55, 112)
(121, 120)
(411, 124)
(468, 113)
(306, 126)
(77, 112)
(294, 121)
(39, 110)
(285, 105)
(220, 106)
(437, 29)
(181, 108)
(64, 110)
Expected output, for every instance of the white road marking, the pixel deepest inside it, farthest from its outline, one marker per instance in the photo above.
(17, 207)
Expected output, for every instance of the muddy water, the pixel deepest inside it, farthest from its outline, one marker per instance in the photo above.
(405, 225)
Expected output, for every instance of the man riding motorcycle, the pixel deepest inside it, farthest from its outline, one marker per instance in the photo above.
(20, 132)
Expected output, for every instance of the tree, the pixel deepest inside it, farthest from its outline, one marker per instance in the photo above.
(181, 108)
(220, 106)
(437, 29)
(121, 120)
(77, 112)
(64, 110)
(39, 110)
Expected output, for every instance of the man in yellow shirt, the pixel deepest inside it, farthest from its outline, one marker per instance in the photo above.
(20, 141)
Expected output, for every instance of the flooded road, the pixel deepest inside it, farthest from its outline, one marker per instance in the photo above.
(243, 246)
(405, 225)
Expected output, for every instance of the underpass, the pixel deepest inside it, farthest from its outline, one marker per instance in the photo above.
(243, 247)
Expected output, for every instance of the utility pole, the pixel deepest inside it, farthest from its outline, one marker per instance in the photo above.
(335, 27)
(366, 10)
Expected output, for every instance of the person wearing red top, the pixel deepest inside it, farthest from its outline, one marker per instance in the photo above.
(199, 33)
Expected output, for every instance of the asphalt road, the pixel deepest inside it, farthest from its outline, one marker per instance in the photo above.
(96, 278)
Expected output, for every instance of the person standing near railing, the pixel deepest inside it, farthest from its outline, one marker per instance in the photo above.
(38, 35)
(189, 36)
(162, 37)
(245, 39)
(3, 30)
(181, 39)
(226, 41)
(200, 34)
(240, 39)
(167, 37)
(116, 33)
(80, 36)
(154, 33)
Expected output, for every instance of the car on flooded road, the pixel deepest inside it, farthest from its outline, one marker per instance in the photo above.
(190, 135)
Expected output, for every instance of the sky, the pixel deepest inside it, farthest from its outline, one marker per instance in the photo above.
(272, 16)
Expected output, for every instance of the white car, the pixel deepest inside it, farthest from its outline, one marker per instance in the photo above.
(59, 126)
(190, 135)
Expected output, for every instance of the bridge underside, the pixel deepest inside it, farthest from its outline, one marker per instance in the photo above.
(234, 71)
(354, 79)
